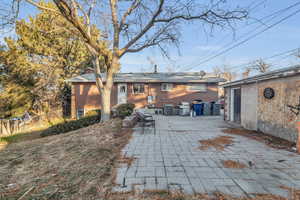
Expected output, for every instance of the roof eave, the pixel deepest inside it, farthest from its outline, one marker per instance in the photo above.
(293, 71)
(137, 81)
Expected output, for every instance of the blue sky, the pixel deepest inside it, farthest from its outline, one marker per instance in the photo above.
(196, 45)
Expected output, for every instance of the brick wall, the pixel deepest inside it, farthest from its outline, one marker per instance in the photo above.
(86, 96)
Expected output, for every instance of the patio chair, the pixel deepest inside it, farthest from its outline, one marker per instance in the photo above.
(146, 119)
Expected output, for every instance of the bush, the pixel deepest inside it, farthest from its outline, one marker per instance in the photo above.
(124, 110)
(93, 113)
(92, 117)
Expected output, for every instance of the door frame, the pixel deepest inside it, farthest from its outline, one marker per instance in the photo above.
(118, 93)
(232, 102)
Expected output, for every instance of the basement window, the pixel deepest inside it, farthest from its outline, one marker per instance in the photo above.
(138, 88)
(80, 113)
(166, 86)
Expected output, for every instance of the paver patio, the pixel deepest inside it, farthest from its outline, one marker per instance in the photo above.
(171, 160)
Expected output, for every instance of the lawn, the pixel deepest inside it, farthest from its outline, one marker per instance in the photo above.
(74, 165)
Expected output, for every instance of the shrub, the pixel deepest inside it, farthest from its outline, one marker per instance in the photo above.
(92, 117)
(124, 110)
(93, 113)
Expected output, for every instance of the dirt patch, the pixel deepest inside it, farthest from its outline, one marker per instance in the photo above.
(269, 140)
(294, 194)
(127, 160)
(219, 143)
(76, 165)
(220, 196)
(233, 164)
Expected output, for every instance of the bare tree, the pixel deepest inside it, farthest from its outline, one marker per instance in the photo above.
(225, 72)
(260, 66)
(246, 73)
(133, 26)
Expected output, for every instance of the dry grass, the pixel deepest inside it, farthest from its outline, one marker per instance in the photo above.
(126, 160)
(269, 140)
(75, 165)
(233, 164)
(29, 132)
(219, 143)
(294, 194)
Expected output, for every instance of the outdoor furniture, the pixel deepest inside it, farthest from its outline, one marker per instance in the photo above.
(146, 119)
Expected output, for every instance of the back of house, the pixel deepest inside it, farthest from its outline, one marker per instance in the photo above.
(144, 90)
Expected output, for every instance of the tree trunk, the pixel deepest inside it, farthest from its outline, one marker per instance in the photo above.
(104, 89)
(105, 108)
(105, 86)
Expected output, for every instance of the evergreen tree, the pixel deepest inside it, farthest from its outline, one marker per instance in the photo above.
(35, 65)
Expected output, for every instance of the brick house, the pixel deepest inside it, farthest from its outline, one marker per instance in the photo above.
(143, 89)
(268, 102)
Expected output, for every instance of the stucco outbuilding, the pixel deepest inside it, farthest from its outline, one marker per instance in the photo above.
(268, 102)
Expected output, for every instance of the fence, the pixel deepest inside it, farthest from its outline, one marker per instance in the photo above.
(8, 127)
(12, 126)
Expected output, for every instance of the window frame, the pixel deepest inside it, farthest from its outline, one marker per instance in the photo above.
(168, 88)
(190, 85)
(80, 110)
(139, 92)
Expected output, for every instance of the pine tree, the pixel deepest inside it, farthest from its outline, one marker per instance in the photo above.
(34, 66)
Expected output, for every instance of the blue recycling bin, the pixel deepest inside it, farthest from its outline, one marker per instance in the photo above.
(198, 108)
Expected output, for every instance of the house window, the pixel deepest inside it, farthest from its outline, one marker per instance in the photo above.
(151, 99)
(138, 88)
(166, 86)
(123, 89)
(197, 87)
(80, 113)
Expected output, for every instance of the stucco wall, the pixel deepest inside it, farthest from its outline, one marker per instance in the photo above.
(274, 115)
(86, 95)
(271, 116)
(249, 106)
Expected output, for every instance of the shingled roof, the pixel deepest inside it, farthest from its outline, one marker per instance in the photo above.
(180, 77)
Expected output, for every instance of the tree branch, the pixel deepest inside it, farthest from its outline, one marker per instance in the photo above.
(206, 16)
(42, 7)
(70, 15)
(145, 29)
(133, 6)
(149, 44)
(114, 15)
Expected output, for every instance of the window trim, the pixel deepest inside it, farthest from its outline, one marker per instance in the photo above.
(195, 90)
(168, 88)
(143, 84)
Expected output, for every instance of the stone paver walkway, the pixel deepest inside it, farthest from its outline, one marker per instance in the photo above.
(172, 160)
